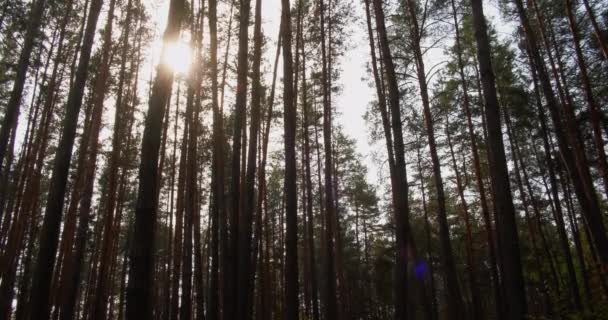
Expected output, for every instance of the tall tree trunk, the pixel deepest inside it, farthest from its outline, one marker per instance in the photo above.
(217, 175)
(515, 298)
(399, 182)
(331, 306)
(262, 195)
(11, 114)
(574, 159)
(533, 229)
(485, 211)
(245, 221)
(100, 303)
(190, 193)
(427, 231)
(141, 271)
(559, 217)
(230, 277)
(179, 214)
(291, 196)
(454, 299)
(50, 228)
(597, 31)
(308, 186)
(594, 110)
(476, 308)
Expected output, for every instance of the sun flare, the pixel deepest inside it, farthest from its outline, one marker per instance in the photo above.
(178, 56)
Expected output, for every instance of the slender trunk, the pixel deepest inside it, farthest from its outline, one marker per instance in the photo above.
(427, 231)
(558, 213)
(574, 159)
(178, 228)
(217, 175)
(597, 31)
(230, 277)
(308, 186)
(515, 298)
(101, 84)
(594, 110)
(23, 311)
(52, 219)
(533, 229)
(262, 186)
(399, 182)
(226, 54)
(476, 312)
(141, 271)
(291, 197)
(11, 114)
(331, 306)
(455, 304)
(190, 193)
(245, 220)
(485, 211)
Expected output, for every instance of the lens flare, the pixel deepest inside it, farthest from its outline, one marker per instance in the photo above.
(178, 56)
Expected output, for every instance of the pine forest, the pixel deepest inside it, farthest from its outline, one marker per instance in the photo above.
(303, 159)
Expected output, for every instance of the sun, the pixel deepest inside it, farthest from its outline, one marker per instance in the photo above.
(178, 56)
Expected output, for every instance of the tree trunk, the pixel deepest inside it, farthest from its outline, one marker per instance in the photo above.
(427, 231)
(574, 159)
(510, 259)
(11, 114)
(559, 217)
(594, 111)
(476, 308)
(139, 291)
(308, 186)
(399, 187)
(331, 311)
(291, 197)
(455, 304)
(45, 261)
(101, 301)
(217, 175)
(230, 278)
(599, 33)
(245, 222)
(485, 211)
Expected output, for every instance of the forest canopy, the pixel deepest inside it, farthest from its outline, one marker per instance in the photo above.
(303, 159)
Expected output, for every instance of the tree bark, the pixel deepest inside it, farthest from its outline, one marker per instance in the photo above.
(574, 159)
(139, 291)
(291, 196)
(246, 217)
(597, 31)
(485, 211)
(454, 299)
(593, 108)
(50, 227)
(558, 217)
(476, 308)
(217, 175)
(399, 187)
(308, 186)
(515, 298)
(11, 114)
(331, 311)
